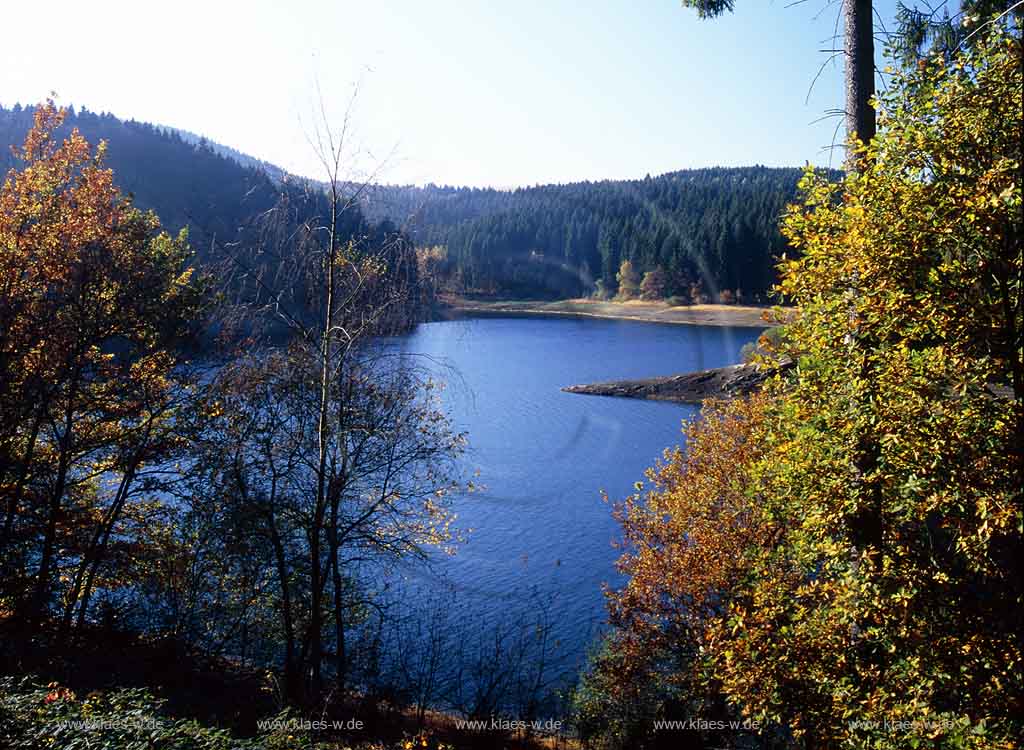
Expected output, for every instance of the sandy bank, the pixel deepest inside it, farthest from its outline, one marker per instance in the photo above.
(740, 316)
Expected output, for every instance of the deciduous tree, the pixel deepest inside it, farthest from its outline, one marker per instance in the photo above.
(826, 597)
(94, 302)
(629, 281)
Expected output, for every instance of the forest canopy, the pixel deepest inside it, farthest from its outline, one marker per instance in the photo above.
(715, 229)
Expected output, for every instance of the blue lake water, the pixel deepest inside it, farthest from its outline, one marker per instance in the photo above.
(540, 529)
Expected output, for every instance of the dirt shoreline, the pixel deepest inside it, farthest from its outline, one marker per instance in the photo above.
(734, 316)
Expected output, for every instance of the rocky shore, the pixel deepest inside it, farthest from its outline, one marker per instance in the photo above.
(690, 388)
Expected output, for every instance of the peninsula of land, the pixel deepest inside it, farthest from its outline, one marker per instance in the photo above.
(690, 388)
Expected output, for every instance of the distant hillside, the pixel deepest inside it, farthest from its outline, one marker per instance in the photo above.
(188, 181)
(273, 171)
(223, 197)
(702, 232)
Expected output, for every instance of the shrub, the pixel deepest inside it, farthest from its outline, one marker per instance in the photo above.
(34, 717)
(53, 717)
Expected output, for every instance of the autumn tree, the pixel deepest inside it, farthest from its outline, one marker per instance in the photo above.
(930, 394)
(684, 546)
(95, 302)
(824, 597)
(629, 281)
(336, 455)
(654, 285)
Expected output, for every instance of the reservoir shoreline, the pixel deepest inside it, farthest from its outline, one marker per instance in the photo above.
(731, 316)
(687, 388)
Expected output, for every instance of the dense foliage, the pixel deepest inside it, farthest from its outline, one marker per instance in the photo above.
(839, 558)
(38, 717)
(716, 229)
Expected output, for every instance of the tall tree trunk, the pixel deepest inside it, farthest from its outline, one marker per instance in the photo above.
(859, 50)
(291, 676)
(864, 526)
(41, 591)
(316, 588)
(338, 496)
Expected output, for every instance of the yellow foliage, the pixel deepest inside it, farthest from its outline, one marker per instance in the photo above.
(845, 550)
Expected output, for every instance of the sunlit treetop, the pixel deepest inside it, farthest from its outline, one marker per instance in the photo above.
(709, 8)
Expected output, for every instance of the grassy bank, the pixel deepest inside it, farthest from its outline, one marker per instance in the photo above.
(743, 316)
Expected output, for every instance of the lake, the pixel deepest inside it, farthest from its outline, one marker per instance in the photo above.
(541, 532)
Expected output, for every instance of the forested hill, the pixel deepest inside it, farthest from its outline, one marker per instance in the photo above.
(223, 197)
(701, 231)
(186, 183)
(694, 234)
(272, 170)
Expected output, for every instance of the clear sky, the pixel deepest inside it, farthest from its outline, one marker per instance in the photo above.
(470, 93)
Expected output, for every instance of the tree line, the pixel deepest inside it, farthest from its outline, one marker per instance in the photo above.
(704, 234)
(701, 232)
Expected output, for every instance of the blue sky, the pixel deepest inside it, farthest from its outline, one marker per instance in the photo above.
(468, 93)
